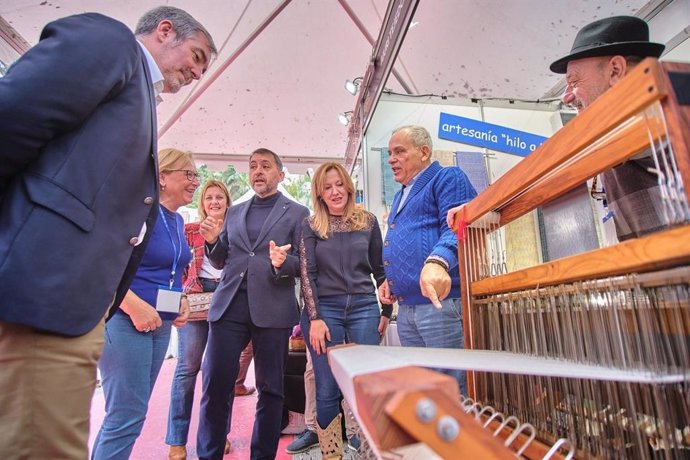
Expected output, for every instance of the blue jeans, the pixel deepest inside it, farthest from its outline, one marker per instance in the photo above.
(191, 344)
(129, 367)
(423, 325)
(350, 319)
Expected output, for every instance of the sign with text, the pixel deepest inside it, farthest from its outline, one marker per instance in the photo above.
(494, 137)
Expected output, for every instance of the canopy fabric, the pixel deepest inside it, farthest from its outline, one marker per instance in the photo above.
(278, 81)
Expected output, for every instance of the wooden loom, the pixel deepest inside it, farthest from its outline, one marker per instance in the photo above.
(623, 309)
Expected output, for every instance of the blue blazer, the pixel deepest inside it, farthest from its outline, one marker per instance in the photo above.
(78, 174)
(272, 301)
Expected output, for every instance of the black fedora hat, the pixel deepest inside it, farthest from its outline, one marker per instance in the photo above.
(617, 35)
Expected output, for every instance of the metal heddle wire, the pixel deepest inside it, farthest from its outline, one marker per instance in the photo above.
(622, 322)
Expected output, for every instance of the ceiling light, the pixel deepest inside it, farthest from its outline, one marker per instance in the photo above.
(344, 118)
(352, 85)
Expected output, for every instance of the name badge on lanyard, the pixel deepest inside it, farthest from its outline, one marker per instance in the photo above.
(168, 298)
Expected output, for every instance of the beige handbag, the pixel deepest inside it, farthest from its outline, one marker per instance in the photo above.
(199, 304)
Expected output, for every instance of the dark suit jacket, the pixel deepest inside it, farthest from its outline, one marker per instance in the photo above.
(78, 174)
(272, 301)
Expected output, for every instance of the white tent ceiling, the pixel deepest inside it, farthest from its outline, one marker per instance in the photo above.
(284, 89)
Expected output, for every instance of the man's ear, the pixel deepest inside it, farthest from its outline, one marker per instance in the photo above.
(617, 69)
(426, 152)
(165, 30)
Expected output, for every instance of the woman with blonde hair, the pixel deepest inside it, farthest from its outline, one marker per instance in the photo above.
(340, 251)
(138, 333)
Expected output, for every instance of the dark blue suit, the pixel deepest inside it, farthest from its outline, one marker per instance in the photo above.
(78, 174)
(263, 312)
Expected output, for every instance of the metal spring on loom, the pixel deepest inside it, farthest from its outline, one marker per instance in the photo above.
(470, 406)
(628, 322)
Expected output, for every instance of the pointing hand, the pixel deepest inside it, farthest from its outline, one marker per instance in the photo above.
(278, 254)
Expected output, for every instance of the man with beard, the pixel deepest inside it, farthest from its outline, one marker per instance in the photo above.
(255, 301)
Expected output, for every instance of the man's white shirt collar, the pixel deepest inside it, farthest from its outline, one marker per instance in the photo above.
(406, 188)
(156, 75)
(414, 179)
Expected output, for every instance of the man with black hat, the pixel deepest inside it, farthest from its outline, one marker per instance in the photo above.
(603, 53)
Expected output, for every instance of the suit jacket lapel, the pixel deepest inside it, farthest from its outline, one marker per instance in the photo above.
(242, 224)
(276, 213)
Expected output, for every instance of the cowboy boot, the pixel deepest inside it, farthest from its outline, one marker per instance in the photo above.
(331, 440)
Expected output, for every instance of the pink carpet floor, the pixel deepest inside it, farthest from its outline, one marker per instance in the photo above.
(151, 444)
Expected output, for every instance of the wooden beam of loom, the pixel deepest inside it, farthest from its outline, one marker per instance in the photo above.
(472, 440)
(632, 138)
(660, 250)
(375, 391)
(678, 81)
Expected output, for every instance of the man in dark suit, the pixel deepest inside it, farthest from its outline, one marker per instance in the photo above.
(254, 301)
(78, 191)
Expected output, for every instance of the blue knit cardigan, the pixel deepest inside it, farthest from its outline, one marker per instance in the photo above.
(420, 230)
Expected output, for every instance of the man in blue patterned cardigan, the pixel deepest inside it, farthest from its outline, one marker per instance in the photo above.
(420, 251)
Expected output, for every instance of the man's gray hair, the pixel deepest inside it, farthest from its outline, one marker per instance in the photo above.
(184, 24)
(418, 135)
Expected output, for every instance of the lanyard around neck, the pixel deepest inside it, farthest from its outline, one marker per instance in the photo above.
(177, 251)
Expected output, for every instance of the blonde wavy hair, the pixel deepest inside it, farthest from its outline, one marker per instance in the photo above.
(212, 183)
(320, 220)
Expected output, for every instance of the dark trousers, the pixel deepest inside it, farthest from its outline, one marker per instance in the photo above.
(227, 338)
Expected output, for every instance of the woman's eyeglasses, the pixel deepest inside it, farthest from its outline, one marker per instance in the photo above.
(191, 175)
